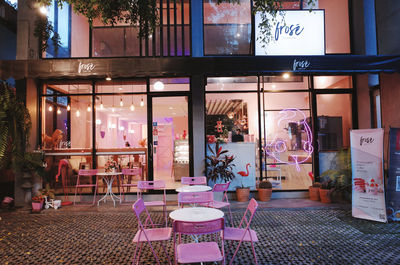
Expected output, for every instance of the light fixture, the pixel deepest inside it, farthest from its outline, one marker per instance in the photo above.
(68, 107)
(231, 114)
(108, 78)
(121, 128)
(121, 103)
(120, 88)
(286, 75)
(89, 108)
(158, 86)
(50, 108)
(132, 107)
(78, 113)
(101, 105)
(142, 103)
(131, 131)
(43, 10)
(58, 111)
(113, 109)
(273, 86)
(238, 35)
(98, 122)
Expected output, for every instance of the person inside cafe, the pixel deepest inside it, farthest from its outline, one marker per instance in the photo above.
(238, 137)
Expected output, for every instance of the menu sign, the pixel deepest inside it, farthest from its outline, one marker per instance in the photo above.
(294, 32)
(368, 198)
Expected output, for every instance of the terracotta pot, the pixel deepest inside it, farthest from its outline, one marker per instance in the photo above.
(314, 193)
(325, 196)
(264, 195)
(242, 194)
(37, 207)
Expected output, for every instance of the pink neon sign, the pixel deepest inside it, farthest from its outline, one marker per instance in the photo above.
(277, 146)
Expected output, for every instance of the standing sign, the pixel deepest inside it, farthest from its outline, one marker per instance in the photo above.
(393, 184)
(368, 198)
(294, 32)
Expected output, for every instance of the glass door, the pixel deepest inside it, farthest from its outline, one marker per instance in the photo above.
(169, 145)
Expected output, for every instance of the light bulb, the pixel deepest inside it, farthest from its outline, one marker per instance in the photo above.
(89, 108)
(108, 78)
(101, 105)
(159, 86)
(50, 108)
(58, 111)
(142, 103)
(121, 103)
(286, 75)
(78, 113)
(43, 10)
(132, 107)
(113, 110)
(68, 108)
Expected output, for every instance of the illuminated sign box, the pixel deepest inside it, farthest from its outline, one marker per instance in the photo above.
(294, 32)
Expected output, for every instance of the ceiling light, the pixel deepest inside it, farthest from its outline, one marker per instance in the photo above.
(113, 109)
(50, 108)
(131, 131)
(89, 108)
(121, 128)
(78, 113)
(98, 122)
(68, 107)
(132, 107)
(170, 108)
(142, 103)
(101, 105)
(58, 111)
(108, 78)
(286, 75)
(121, 103)
(43, 10)
(238, 35)
(273, 86)
(158, 86)
(120, 88)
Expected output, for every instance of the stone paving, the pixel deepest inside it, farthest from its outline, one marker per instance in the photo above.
(287, 236)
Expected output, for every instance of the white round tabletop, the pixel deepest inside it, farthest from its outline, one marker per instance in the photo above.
(196, 214)
(194, 188)
(108, 173)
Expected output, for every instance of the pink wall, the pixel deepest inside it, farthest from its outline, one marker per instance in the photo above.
(79, 36)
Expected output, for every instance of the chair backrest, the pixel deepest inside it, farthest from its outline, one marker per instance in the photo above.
(194, 180)
(139, 208)
(131, 171)
(198, 228)
(221, 187)
(251, 208)
(151, 185)
(87, 172)
(195, 197)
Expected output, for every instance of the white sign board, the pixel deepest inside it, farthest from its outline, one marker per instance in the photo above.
(294, 32)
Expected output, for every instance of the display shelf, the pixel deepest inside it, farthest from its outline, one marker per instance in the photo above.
(181, 159)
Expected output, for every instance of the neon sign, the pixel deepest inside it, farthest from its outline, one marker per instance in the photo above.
(277, 146)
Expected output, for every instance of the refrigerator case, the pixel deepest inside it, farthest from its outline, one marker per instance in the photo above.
(181, 159)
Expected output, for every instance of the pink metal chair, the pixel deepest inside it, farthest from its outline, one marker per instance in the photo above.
(203, 251)
(223, 187)
(86, 175)
(243, 232)
(147, 232)
(194, 181)
(154, 185)
(128, 173)
(203, 198)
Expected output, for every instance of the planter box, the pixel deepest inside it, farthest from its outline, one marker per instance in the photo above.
(242, 194)
(37, 207)
(325, 196)
(314, 193)
(264, 195)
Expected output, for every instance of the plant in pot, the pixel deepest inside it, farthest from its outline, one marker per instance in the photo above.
(242, 192)
(314, 191)
(219, 166)
(326, 190)
(37, 203)
(264, 190)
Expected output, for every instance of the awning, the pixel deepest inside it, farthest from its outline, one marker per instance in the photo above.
(186, 66)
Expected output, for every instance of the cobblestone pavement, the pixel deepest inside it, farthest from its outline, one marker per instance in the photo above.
(286, 236)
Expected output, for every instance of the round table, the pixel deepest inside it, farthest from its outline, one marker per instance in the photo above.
(194, 188)
(108, 177)
(196, 214)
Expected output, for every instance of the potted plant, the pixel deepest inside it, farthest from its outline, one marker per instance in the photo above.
(242, 192)
(314, 191)
(264, 191)
(37, 203)
(111, 166)
(325, 191)
(219, 167)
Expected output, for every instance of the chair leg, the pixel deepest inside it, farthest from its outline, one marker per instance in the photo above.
(230, 215)
(254, 252)
(165, 250)
(154, 253)
(134, 256)
(236, 251)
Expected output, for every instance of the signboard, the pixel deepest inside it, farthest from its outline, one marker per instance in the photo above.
(368, 198)
(393, 183)
(294, 32)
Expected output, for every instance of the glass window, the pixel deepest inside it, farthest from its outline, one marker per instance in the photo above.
(62, 88)
(227, 28)
(232, 83)
(128, 86)
(285, 82)
(333, 82)
(232, 120)
(280, 101)
(169, 84)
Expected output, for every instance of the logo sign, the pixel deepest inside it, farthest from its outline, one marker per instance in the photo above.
(300, 65)
(85, 67)
(294, 32)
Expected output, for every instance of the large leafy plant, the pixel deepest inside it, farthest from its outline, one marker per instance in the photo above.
(218, 165)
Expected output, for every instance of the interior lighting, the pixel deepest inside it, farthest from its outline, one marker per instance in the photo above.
(238, 35)
(58, 111)
(89, 108)
(68, 107)
(78, 113)
(273, 86)
(286, 75)
(121, 103)
(98, 122)
(132, 108)
(101, 105)
(108, 78)
(121, 128)
(158, 86)
(142, 103)
(113, 109)
(43, 10)
(50, 108)
(131, 131)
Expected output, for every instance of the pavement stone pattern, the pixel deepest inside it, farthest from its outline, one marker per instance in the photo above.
(286, 236)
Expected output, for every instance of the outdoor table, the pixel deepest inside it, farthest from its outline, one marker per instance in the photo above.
(194, 188)
(196, 214)
(109, 177)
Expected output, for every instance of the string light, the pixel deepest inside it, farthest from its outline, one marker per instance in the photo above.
(50, 108)
(132, 107)
(58, 111)
(89, 108)
(142, 103)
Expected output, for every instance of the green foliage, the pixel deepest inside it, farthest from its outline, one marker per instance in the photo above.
(45, 32)
(218, 166)
(265, 184)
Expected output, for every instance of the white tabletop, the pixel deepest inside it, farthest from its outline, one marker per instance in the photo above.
(108, 173)
(194, 188)
(196, 214)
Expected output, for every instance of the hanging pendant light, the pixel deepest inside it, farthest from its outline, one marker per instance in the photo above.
(58, 111)
(121, 103)
(50, 108)
(78, 113)
(68, 106)
(89, 109)
(142, 103)
(132, 106)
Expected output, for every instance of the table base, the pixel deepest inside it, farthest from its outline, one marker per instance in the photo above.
(109, 182)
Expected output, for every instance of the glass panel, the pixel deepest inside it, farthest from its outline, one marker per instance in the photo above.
(232, 120)
(60, 88)
(108, 42)
(279, 101)
(169, 84)
(227, 28)
(128, 86)
(232, 83)
(333, 82)
(286, 82)
(170, 140)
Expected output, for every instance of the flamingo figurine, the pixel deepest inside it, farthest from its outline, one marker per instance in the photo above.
(245, 174)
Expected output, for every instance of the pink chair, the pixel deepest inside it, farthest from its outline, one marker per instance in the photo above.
(203, 251)
(148, 233)
(128, 173)
(204, 198)
(223, 187)
(86, 176)
(243, 232)
(154, 185)
(194, 181)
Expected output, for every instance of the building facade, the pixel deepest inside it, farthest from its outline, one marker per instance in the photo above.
(163, 102)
